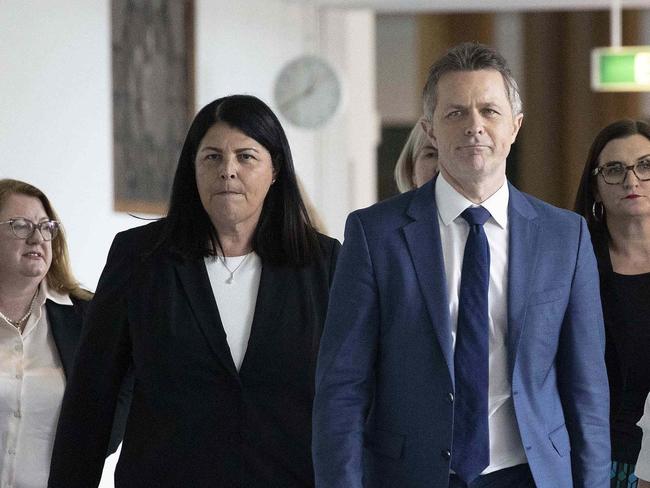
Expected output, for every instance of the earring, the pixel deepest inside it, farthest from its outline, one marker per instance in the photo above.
(598, 211)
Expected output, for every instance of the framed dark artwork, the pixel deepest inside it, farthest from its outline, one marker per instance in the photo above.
(153, 98)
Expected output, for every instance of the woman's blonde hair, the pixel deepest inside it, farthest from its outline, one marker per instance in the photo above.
(406, 162)
(59, 276)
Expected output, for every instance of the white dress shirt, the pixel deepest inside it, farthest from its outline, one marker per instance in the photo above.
(506, 448)
(642, 469)
(32, 381)
(236, 300)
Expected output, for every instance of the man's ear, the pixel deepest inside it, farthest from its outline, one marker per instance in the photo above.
(427, 128)
(518, 120)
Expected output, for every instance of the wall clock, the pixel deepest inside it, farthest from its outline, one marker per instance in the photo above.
(307, 92)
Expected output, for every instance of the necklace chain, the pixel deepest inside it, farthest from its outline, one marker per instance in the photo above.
(232, 271)
(18, 324)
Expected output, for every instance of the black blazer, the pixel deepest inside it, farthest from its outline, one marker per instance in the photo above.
(65, 324)
(194, 420)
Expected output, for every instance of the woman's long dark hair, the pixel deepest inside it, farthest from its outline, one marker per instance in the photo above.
(585, 197)
(284, 233)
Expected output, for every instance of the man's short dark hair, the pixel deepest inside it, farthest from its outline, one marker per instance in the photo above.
(469, 56)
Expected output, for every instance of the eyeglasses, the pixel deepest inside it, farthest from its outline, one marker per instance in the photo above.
(24, 228)
(615, 173)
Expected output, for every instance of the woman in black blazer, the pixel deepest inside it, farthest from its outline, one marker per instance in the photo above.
(41, 310)
(219, 307)
(613, 196)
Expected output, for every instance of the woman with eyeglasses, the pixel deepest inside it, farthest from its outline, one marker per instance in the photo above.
(41, 309)
(614, 198)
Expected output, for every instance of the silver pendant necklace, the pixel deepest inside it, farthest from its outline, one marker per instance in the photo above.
(20, 323)
(230, 279)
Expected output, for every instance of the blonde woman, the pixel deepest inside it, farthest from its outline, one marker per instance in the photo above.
(41, 310)
(418, 161)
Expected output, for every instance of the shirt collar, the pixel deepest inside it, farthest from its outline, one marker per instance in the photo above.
(51, 294)
(451, 204)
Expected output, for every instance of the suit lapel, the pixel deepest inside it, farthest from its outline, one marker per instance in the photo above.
(423, 240)
(65, 325)
(271, 297)
(523, 256)
(194, 279)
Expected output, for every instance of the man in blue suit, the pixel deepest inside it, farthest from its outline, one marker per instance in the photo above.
(460, 352)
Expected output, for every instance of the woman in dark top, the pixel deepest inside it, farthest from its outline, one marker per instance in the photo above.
(614, 197)
(219, 307)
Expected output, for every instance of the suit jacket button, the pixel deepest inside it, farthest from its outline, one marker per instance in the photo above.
(450, 397)
(446, 453)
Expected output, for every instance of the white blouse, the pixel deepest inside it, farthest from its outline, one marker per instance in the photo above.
(235, 284)
(32, 381)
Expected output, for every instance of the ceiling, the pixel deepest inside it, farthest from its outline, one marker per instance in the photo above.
(409, 6)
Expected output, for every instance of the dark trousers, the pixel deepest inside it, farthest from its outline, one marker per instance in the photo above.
(516, 477)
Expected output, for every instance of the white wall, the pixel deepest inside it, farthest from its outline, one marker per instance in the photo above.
(346, 166)
(55, 117)
(55, 104)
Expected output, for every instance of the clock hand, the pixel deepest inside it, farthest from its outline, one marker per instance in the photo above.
(302, 94)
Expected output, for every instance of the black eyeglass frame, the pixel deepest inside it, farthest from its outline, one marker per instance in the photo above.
(632, 167)
(33, 226)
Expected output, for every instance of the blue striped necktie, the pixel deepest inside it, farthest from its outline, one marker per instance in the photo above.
(471, 437)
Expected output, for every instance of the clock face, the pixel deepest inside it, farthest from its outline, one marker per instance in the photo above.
(307, 92)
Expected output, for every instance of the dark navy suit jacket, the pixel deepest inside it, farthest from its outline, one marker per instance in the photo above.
(383, 413)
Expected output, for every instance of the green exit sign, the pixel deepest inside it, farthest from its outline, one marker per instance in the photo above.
(620, 69)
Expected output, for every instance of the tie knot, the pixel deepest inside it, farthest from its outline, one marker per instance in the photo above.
(475, 215)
